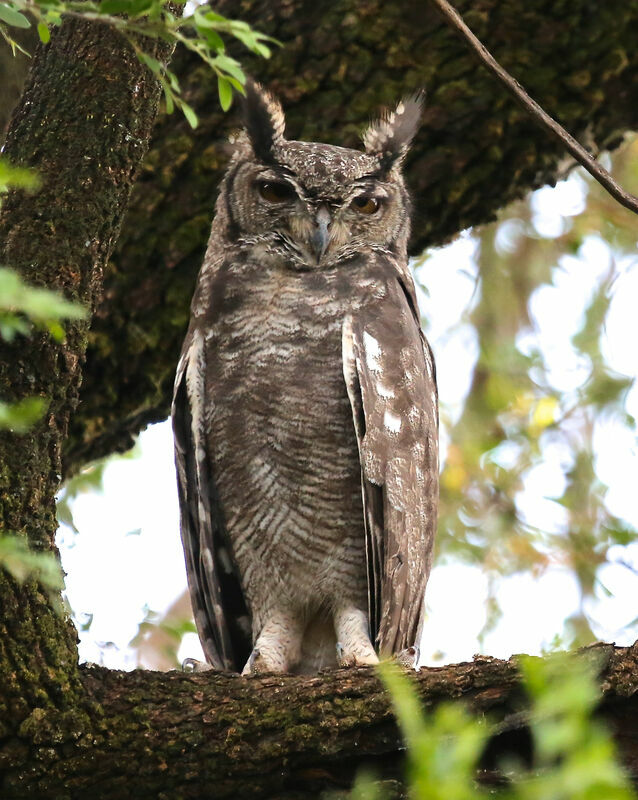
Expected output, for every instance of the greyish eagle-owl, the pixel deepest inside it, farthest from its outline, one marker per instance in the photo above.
(305, 406)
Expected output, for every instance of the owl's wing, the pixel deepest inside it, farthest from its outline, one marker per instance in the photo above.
(219, 606)
(390, 377)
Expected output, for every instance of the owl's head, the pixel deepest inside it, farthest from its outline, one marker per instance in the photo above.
(316, 204)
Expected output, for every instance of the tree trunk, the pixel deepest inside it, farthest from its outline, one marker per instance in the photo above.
(83, 123)
(175, 735)
(339, 63)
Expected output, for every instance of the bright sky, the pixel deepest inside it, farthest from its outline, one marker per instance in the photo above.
(127, 556)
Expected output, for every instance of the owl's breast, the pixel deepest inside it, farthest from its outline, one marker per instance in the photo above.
(281, 431)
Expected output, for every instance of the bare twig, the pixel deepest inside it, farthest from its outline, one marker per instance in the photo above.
(542, 117)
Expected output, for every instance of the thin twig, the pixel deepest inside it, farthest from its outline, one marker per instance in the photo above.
(542, 117)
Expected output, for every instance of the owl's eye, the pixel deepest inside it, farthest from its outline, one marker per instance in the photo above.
(365, 204)
(275, 192)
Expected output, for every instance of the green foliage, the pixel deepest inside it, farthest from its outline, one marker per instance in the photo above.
(19, 417)
(202, 31)
(18, 177)
(21, 308)
(574, 756)
(21, 305)
(24, 564)
(443, 747)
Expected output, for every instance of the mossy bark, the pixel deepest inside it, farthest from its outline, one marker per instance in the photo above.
(340, 62)
(84, 123)
(170, 736)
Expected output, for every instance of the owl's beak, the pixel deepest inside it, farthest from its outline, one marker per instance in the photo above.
(321, 237)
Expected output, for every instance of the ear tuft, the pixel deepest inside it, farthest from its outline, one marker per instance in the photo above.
(390, 136)
(263, 119)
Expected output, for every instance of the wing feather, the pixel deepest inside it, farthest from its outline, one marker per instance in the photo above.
(371, 494)
(391, 382)
(219, 607)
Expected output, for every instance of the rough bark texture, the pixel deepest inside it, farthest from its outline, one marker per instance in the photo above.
(176, 735)
(84, 123)
(340, 62)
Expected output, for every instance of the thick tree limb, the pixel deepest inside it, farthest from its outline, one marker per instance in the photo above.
(477, 151)
(540, 115)
(176, 735)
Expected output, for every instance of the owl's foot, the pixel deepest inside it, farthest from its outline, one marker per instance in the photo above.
(255, 664)
(259, 664)
(408, 658)
(354, 647)
(193, 665)
(278, 646)
(350, 659)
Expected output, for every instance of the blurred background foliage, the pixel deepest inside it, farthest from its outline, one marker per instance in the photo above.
(536, 401)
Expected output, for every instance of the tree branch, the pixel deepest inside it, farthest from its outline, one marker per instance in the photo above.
(539, 114)
(166, 735)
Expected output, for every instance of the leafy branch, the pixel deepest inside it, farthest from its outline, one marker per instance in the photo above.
(200, 31)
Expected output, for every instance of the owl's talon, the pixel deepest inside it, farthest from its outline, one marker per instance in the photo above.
(408, 658)
(253, 663)
(194, 665)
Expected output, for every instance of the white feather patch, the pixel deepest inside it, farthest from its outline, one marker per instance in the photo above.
(372, 351)
(391, 421)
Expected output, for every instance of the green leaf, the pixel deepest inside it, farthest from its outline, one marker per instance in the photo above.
(17, 177)
(152, 63)
(172, 79)
(44, 33)
(225, 93)
(115, 6)
(20, 417)
(53, 17)
(139, 7)
(229, 65)
(191, 116)
(205, 20)
(262, 50)
(55, 329)
(12, 17)
(235, 84)
(168, 96)
(41, 305)
(11, 324)
(213, 16)
(22, 563)
(213, 39)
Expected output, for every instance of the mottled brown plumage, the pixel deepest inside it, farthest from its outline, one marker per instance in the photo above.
(305, 411)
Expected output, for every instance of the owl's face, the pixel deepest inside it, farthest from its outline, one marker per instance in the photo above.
(313, 205)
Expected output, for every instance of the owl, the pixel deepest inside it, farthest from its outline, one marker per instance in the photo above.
(305, 406)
